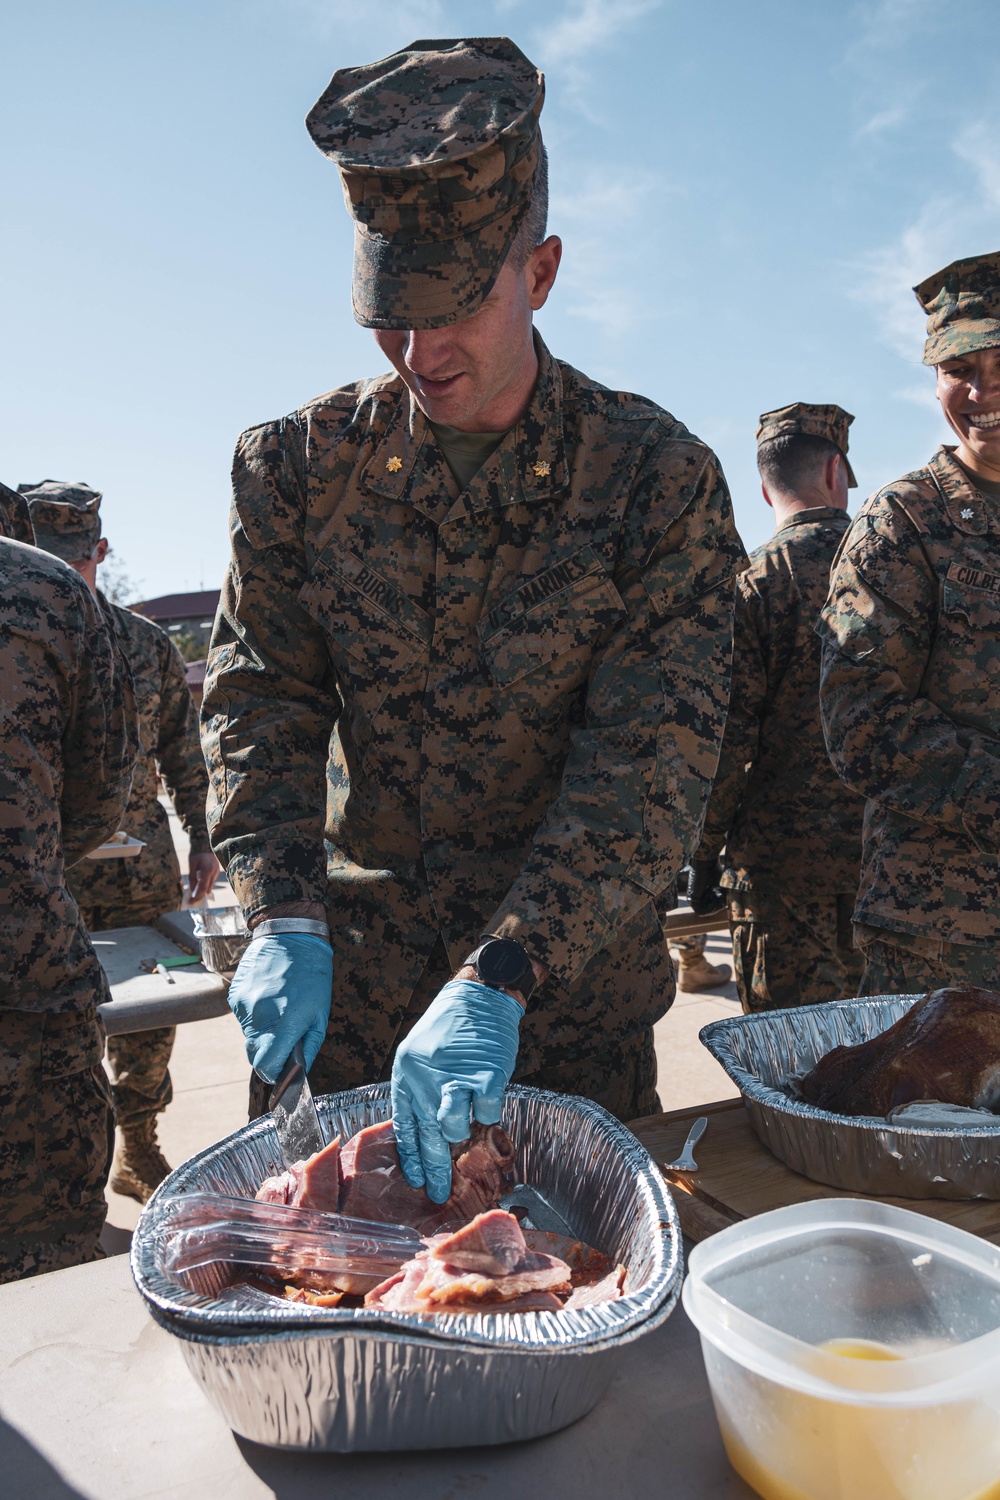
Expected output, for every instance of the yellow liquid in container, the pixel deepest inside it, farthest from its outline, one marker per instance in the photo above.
(831, 1450)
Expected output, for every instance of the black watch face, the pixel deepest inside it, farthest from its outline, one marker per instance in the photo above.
(502, 962)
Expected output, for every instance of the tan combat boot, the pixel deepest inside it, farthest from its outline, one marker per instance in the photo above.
(695, 973)
(139, 1165)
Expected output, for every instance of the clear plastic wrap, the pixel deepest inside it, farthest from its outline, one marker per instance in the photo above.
(216, 1229)
(864, 1154)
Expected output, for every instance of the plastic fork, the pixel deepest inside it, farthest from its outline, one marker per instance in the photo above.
(686, 1162)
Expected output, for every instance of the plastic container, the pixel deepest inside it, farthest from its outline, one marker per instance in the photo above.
(853, 1352)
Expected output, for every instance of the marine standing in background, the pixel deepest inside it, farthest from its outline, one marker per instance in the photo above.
(791, 828)
(66, 758)
(911, 669)
(134, 892)
(476, 634)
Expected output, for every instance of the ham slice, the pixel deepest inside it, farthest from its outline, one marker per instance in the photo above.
(484, 1265)
(373, 1185)
(314, 1183)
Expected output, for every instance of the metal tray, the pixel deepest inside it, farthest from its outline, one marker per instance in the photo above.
(862, 1154)
(343, 1379)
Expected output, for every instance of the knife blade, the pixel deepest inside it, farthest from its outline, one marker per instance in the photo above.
(294, 1111)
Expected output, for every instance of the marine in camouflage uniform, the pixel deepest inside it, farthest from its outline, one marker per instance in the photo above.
(499, 700)
(66, 761)
(134, 892)
(911, 675)
(791, 829)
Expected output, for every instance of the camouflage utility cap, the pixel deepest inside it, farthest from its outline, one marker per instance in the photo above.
(962, 304)
(15, 521)
(66, 517)
(437, 148)
(801, 418)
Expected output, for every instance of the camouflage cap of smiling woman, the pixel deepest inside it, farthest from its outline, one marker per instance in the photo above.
(962, 304)
(437, 148)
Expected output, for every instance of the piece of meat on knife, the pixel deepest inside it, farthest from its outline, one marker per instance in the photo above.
(946, 1047)
(373, 1185)
(495, 1270)
(313, 1183)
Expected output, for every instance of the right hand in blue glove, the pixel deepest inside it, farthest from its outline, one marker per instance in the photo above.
(280, 994)
(456, 1062)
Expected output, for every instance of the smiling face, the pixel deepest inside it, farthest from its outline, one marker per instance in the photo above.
(968, 389)
(478, 375)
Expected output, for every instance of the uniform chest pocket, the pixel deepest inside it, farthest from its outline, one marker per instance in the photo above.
(376, 632)
(979, 608)
(542, 655)
(565, 624)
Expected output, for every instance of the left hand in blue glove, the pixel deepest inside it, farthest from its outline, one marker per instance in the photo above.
(456, 1062)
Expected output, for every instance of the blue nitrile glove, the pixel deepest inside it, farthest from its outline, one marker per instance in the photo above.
(280, 994)
(456, 1061)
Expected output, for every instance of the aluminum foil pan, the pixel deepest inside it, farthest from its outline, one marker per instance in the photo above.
(222, 936)
(862, 1154)
(350, 1379)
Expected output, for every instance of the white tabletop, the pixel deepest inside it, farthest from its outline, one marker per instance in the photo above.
(140, 999)
(96, 1402)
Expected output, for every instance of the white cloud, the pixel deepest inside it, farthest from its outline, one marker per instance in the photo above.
(609, 221)
(950, 225)
(881, 123)
(586, 28)
(978, 145)
(920, 395)
(380, 19)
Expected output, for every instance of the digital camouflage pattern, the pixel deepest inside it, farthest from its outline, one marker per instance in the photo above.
(139, 1061)
(437, 148)
(508, 701)
(910, 698)
(15, 518)
(56, 1138)
(898, 963)
(962, 303)
(66, 517)
(66, 761)
(809, 420)
(787, 821)
(169, 744)
(134, 892)
(793, 948)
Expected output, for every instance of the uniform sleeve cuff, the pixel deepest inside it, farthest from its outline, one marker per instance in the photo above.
(559, 929)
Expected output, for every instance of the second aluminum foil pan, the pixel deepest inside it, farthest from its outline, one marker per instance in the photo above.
(863, 1154)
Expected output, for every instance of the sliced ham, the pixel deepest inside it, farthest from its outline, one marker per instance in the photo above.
(373, 1185)
(314, 1183)
(495, 1269)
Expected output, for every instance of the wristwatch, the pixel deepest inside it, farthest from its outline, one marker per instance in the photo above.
(504, 965)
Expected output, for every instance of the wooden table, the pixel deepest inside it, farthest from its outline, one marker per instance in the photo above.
(738, 1177)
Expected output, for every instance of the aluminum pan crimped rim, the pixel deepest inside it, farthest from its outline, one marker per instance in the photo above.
(861, 1153)
(252, 1153)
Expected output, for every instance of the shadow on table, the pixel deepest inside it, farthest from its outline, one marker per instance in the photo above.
(26, 1473)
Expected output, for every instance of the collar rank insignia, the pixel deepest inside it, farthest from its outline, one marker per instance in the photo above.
(967, 514)
(541, 469)
(394, 464)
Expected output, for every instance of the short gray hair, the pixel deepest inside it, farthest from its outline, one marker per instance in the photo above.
(533, 227)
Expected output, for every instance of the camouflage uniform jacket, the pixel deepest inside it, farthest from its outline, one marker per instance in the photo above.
(910, 698)
(169, 742)
(788, 822)
(66, 758)
(509, 703)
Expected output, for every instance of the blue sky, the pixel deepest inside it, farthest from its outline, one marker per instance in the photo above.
(747, 191)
